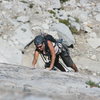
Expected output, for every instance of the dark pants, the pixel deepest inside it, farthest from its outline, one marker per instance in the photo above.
(66, 59)
(58, 65)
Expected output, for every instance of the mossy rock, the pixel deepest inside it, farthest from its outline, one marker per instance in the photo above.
(67, 23)
(37, 12)
(62, 1)
(74, 30)
(64, 21)
(24, 1)
(52, 12)
(31, 5)
(77, 20)
(92, 84)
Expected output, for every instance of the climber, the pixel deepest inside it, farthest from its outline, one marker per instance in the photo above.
(48, 46)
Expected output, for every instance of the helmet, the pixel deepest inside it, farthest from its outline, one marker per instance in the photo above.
(38, 40)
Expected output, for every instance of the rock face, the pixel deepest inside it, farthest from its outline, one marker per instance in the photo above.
(95, 43)
(97, 17)
(21, 21)
(9, 54)
(22, 36)
(23, 83)
(49, 4)
(64, 33)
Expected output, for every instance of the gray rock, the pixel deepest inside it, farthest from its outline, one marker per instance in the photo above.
(27, 84)
(22, 83)
(62, 14)
(83, 2)
(94, 42)
(45, 26)
(71, 3)
(87, 27)
(98, 7)
(83, 16)
(89, 65)
(13, 22)
(93, 57)
(55, 4)
(9, 54)
(22, 36)
(97, 17)
(19, 7)
(23, 19)
(76, 25)
(64, 33)
(71, 19)
(50, 4)
(93, 35)
(37, 98)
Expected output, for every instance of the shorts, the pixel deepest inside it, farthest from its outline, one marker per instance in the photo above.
(66, 59)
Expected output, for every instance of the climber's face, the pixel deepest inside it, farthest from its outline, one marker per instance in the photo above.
(40, 47)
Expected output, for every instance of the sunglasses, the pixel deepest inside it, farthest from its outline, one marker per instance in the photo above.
(39, 46)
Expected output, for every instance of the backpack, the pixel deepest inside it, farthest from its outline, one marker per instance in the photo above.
(52, 39)
(48, 37)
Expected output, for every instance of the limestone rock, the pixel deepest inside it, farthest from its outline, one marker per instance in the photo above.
(64, 33)
(94, 42)
(9, 54)
(93, 57)
(83, 16)
(23, 19)
(50, 4)
(22, 36)
(90, 63)
(45, 26)
(93, 35)
(76, 25)
(23, 83)
(98, 7)
(97, 17)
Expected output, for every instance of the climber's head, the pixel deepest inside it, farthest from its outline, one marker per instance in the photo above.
(38, 41)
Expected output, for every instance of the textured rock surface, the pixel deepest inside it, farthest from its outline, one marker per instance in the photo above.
(64, 33)
(20, 22)
(23, 83)
(9, 54)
